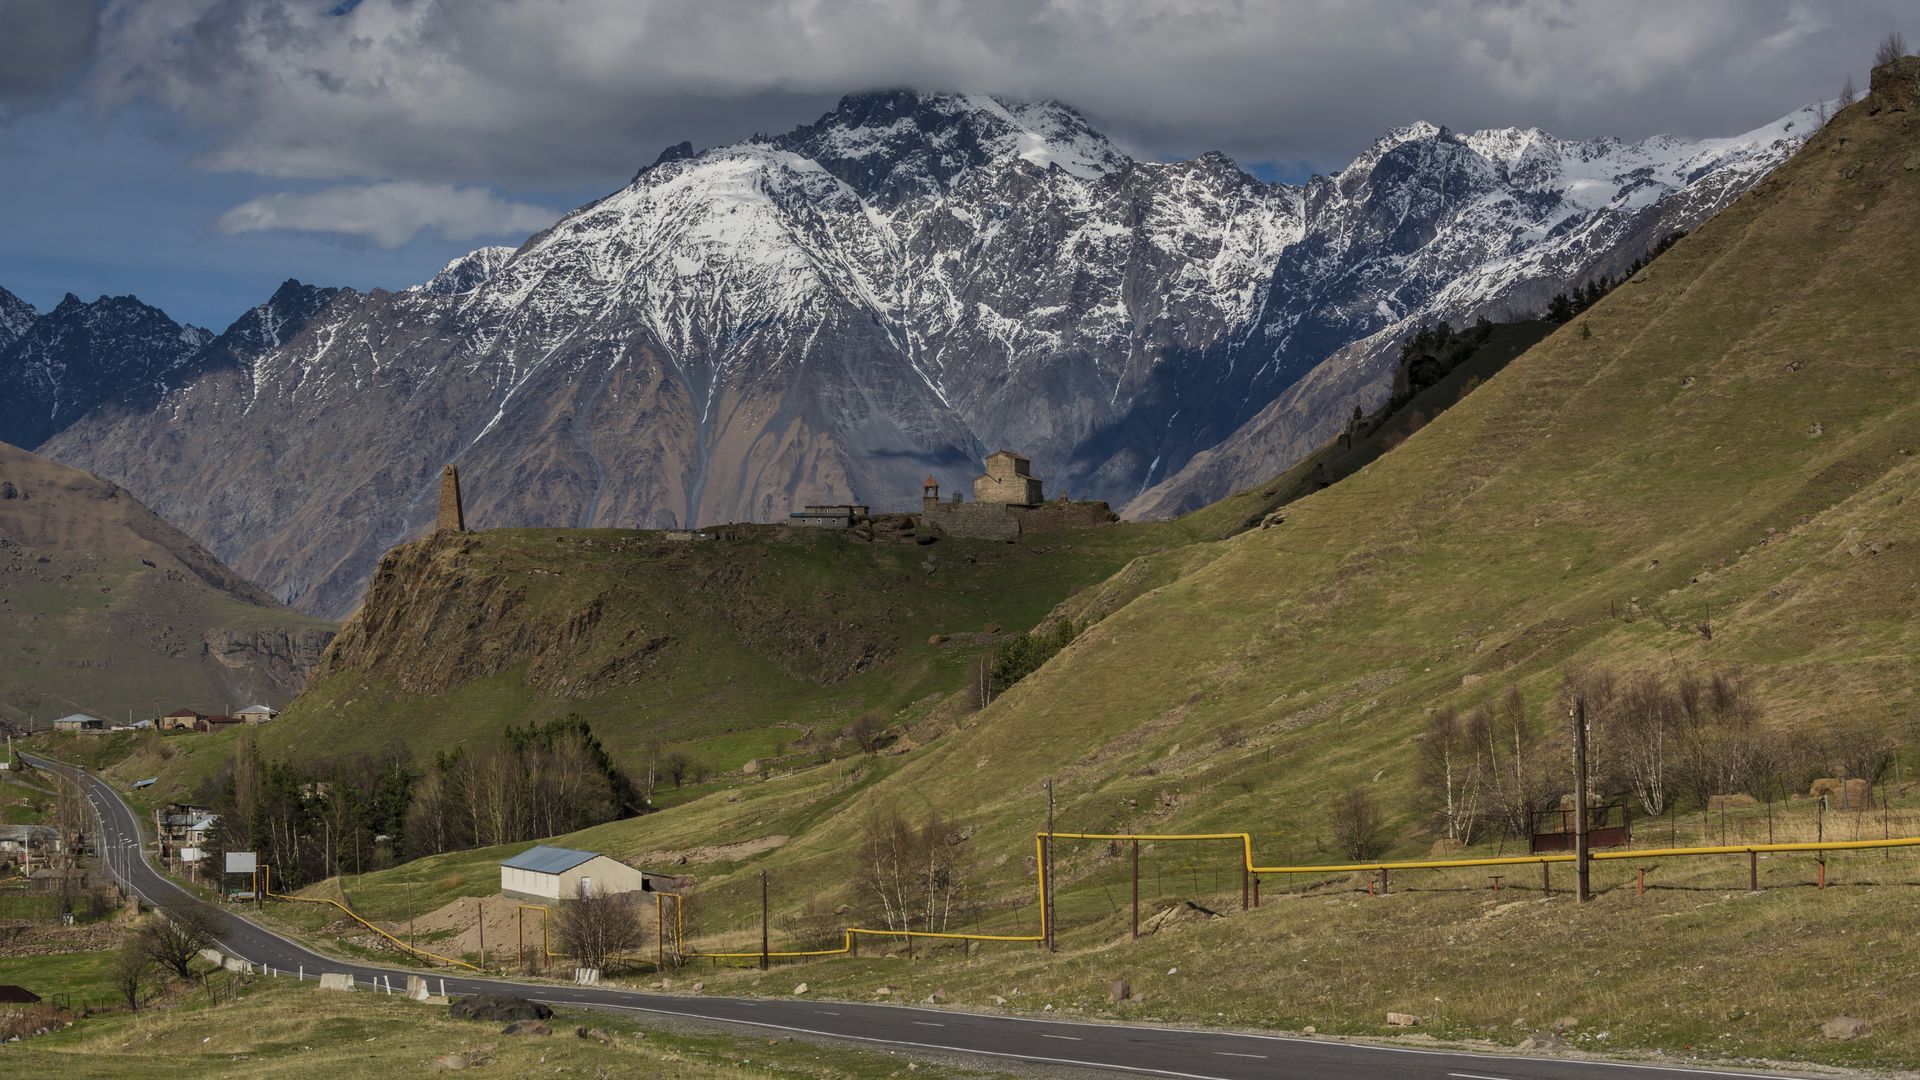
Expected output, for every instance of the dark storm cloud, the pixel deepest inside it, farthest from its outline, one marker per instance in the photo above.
(42, 44)
(558, 91)
(553, 91)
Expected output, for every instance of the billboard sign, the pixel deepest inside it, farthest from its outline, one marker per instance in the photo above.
(242, 862)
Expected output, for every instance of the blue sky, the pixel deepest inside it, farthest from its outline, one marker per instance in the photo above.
(196, 153)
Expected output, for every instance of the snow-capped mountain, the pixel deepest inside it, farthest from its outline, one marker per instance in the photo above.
(466, 273)
(16, 315)
(894, 289)
(56, 367)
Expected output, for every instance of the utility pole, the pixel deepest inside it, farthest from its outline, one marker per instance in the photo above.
(763, 920)
(1046, 897)
(1582, 890)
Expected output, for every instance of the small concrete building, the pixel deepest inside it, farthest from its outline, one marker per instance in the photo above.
(1009, 481)
(79, 722)
(555, 873)
(836, 516)
(256, 714)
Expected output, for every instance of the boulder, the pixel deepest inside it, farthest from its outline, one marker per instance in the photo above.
(801, 989)
(497, 1007)
(698, 986)
(450, 1062)
(1542, 1042)
(1846, 1027)
(527, 1027)
(1118, 990)
(1400, 1019)
(1566, 1023)
(595, 1034)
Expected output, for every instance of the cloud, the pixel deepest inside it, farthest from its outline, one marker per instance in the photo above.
(42, 44)
(389, 214)
(556, 92)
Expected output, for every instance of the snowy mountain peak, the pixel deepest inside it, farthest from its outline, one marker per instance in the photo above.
(15, 316)
(466, 273)
(894, 145)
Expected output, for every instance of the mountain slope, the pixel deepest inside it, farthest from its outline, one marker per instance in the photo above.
(833, 313)
(1730, 437)
(106, 608)
(64, 363)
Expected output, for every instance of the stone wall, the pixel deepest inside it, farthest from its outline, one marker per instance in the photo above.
(973, 521)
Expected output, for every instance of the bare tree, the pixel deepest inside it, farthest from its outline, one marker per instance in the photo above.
(1892, 47)
(131, 971)
(600, 927)
(677, 766)
(1848, 95)
(918, 875)
(171, 941)
(1640, 730)
(1359, 830)
(1449, 775)
(868, 732)
(1508, 748)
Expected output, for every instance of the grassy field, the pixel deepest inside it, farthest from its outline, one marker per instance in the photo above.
(283, 1025)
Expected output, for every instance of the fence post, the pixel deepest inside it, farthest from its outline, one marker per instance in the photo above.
(1243, 887)
(1256, 890)
(1546, 879)
(1383, 881)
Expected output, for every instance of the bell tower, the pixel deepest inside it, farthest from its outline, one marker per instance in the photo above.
(452, 519)
(930, 494)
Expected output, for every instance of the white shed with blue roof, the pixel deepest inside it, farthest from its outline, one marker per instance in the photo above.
(556, 873)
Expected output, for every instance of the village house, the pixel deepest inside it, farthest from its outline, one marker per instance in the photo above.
(183, 830)
(211, 724)
(256, 714)
(179, 720)
(552, 873)
(19, 838)
(79, 722)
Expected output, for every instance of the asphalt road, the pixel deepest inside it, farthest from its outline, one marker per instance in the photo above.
(1122, 1048)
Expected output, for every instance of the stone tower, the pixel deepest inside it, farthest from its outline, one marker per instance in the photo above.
(930, 494)
(451, 517)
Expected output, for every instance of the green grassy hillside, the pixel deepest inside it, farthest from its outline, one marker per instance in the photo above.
(107, 609)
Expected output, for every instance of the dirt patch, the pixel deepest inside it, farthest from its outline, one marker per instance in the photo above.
(466, 917)
(714, 853)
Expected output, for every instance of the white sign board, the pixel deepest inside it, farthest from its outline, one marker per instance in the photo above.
(242, 862)
(190, 854)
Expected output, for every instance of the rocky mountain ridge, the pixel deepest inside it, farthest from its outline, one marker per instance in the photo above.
(893, 290)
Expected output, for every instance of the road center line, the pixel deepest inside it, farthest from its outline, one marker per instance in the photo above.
(1262, 1057)
(1068, 1038)
(926, 1023)
(1477, 1076)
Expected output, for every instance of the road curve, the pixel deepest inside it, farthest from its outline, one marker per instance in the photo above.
(1120, 1048)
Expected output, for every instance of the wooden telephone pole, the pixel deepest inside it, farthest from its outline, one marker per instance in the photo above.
(1580, 852)
(1046, 898)
(763, 920)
